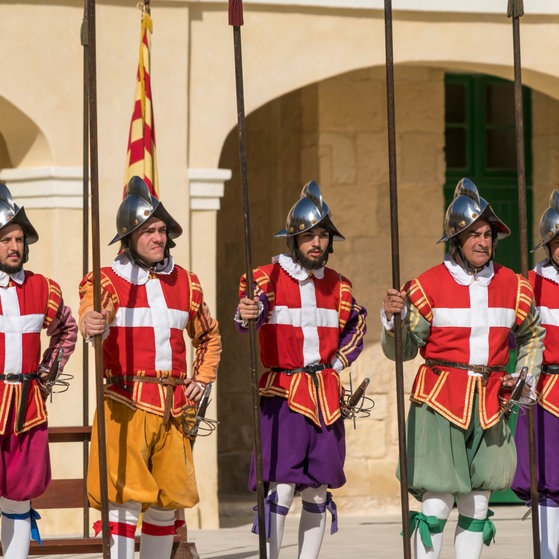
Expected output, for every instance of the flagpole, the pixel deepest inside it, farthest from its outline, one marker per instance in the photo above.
(97, 341)
(394, 234)
(236, 20)
(141, 156)
(515, 11)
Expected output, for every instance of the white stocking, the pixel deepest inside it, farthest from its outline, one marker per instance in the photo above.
(549, 532)
(279, 508)
(15, 532)
(467, 543)
(158, 529)
(123, 519)
(433, 504)
(312, 522)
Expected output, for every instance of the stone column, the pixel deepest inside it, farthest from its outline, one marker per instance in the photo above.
(206, 189)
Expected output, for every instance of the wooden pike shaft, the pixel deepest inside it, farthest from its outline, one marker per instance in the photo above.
(94, 165)
(394, 235)
(522, 214)
(250, 289)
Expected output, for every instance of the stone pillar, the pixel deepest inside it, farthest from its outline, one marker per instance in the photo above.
(206, 189)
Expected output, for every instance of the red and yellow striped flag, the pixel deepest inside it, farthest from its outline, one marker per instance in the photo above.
(141, 157)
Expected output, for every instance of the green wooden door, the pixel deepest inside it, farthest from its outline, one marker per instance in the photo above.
(480, 143)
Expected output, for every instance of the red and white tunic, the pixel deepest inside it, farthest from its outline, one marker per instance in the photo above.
(148, 313)
(305, 323)
(545, 281)
(30, 303)
(470, 324)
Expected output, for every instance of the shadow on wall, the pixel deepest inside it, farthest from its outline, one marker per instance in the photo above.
(275, 138)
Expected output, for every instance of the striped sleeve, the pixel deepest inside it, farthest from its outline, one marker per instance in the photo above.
(353, 325)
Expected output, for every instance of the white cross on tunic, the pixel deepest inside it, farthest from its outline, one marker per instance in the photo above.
(479, 318)
(13, 325)
(549, 317)
(309, 318)
(157, 316)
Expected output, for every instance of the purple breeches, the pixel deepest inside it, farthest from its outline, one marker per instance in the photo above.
(547, 450)
(295, 450)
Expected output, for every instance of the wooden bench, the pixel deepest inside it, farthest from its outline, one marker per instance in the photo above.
(72, 494)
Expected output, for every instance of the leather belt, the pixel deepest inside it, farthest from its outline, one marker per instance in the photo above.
(168, 382)
(550, 369)
(18, 377)
(484, 370)
(309, 369)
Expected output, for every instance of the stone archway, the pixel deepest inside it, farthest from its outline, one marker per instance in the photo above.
(23, 143)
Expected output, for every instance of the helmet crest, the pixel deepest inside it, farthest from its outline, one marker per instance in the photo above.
(309, 211)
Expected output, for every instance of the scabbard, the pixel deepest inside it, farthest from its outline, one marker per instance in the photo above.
(22, 405)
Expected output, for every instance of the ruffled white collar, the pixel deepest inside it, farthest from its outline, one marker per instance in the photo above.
(296, 271)
(464, 277)
(125, 267)
(547, 271)
(18, 277)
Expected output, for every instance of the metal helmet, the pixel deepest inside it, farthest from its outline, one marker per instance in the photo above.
(137, 207)
(11, 213)
(549, 222)
(309, 211)
(466, 208)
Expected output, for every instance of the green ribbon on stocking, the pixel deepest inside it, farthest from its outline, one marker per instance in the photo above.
(486, 526)
(426, 525)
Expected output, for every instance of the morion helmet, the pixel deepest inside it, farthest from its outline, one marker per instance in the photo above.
(466, 208)
(137, 207)
(12, 214)
(549, 222)
(310, 210)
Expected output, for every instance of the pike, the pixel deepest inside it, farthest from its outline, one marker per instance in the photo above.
(96, 262)
(236, 20)
(396, 277)
(85, 257)
(515, 10)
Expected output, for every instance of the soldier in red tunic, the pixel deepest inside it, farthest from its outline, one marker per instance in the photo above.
(459, 315)
(29, 303)
(545, 281)
(310, 328)
(148, 302)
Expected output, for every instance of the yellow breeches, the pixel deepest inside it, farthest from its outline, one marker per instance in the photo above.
(147, 461)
